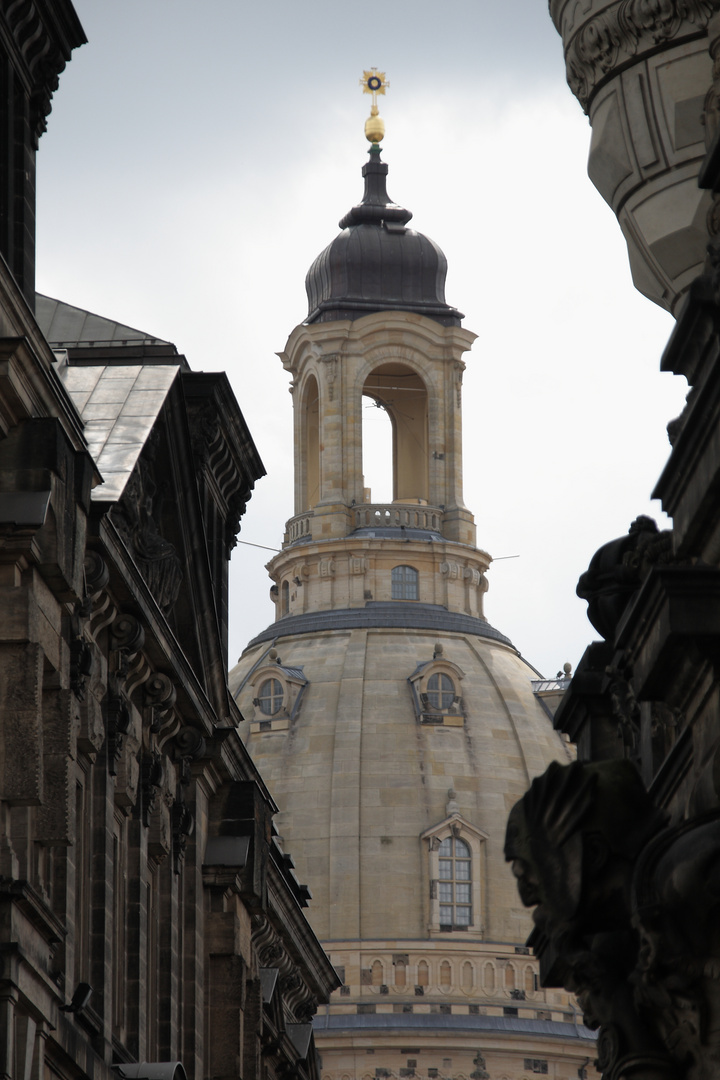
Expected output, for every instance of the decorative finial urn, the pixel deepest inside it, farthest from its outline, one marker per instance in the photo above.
(374, 82)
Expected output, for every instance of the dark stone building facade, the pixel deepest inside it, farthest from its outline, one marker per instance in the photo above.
(619, 853)
(150, 923)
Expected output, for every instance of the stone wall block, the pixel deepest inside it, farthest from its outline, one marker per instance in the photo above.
(37, 456)
(21, 742)
(30, 612)
(220, 933)
(225, 1028)
(61, 721)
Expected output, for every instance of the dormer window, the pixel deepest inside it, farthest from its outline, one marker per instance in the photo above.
(404, 583)
(436, 691)
(270, 697)
(440, 692)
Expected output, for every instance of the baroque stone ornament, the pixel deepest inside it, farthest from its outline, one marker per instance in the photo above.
(618, 569)
(626, 915)
(608, 40)
(160, 696)
(183, 825)
(136, 519)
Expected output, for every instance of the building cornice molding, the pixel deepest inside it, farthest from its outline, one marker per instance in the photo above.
(335, 339)
(613, 36)
(41, 37)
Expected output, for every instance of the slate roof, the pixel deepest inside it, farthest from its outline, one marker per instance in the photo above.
(293, 672)
(64, 325)
(117, 378)
(378, 613)
(448, 1022)
(118, 405)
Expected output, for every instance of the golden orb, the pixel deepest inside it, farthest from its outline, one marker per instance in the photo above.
(374, 126)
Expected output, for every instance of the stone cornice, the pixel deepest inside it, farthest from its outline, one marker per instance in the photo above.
(40, 37)
(608, 37)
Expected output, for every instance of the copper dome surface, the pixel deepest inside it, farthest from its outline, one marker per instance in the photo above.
(378, 264)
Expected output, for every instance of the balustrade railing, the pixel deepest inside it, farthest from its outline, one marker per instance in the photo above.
(377, 516)
(300, 526)
(398, 516)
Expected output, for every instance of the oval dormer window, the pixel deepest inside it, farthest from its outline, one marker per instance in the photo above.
(270, 698)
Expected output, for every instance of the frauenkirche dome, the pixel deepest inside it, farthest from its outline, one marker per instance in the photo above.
(393, 724)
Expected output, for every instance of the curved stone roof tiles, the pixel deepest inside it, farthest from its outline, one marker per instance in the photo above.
(384, 615)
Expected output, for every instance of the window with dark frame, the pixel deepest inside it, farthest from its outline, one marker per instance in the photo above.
(455, 884)
(404, 581)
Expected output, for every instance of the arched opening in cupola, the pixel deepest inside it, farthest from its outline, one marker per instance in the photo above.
(377, 452)
(399, 392)
(310, 478)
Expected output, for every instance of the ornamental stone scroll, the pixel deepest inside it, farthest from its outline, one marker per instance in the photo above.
(626, 915)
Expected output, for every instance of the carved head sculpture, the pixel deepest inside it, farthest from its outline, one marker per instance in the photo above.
(572, 841)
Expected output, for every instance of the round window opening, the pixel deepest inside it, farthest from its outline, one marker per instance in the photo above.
(440, 692)
(270, 697)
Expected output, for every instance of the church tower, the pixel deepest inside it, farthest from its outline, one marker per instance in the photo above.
(393, 724)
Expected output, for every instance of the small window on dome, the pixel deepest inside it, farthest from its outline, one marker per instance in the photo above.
(270, 698)
(404, 583)
(440, 692)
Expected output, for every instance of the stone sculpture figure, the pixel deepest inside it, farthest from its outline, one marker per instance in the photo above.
(617, 570)
(626, 916)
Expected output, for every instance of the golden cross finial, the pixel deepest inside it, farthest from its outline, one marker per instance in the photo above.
(374, 82)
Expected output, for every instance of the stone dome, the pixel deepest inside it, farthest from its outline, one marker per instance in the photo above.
(377, 264)
(361, 765)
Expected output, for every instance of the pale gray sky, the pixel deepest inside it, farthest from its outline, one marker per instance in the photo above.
(199, 156)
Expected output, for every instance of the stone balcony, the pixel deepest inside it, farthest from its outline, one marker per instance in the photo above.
(398, 516)
(303, 527)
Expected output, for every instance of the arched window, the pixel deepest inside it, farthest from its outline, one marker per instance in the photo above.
(404, 583)
(440, 692)
(445, 975)
(285, 594)
(423, 974)
(378, 975)
(270, 698)
(455, 883)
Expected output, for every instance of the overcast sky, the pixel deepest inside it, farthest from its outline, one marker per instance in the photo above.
(200, 155)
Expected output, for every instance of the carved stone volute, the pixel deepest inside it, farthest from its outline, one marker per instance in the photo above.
(160, 695)
(626, 915)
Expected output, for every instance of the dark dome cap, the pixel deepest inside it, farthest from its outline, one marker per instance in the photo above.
(377, 264)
